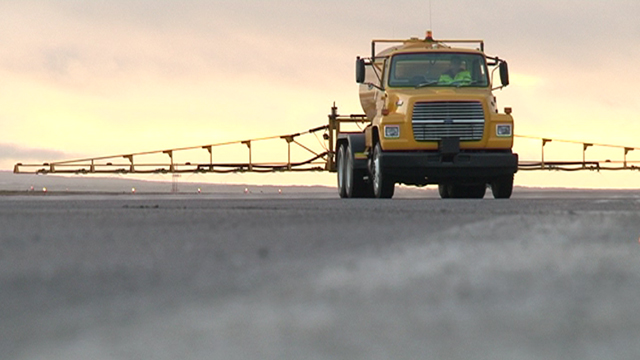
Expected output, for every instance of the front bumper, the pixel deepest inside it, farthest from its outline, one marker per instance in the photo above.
(423, 168)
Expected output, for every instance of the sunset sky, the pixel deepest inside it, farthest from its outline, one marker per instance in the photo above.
(90, 78)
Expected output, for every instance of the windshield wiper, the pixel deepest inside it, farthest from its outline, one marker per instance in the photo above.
(425, 84)
(460, 83)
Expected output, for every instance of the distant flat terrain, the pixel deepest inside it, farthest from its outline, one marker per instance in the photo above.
(545, 275)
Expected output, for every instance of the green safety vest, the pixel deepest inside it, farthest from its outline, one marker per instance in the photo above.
(463, 77)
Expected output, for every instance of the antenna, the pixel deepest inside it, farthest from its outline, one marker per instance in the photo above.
(430, 18)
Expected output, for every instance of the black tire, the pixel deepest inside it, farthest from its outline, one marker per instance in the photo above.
(340, 167)
(502, 188)
(456, 191)
(362, 188)
(383, 186)
(354, 184)
(443, 189)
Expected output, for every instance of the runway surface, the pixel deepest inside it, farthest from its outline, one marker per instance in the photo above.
(545, 275)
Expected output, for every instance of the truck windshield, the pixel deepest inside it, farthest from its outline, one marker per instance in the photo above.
(438, 69)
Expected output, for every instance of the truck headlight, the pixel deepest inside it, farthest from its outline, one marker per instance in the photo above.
(504, 130)
(391, 131)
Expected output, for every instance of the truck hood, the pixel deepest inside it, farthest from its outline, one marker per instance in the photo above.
(408, 97)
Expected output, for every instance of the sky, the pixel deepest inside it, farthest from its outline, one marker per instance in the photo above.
(94, 77)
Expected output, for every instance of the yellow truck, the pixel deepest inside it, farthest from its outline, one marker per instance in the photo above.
(432, 119)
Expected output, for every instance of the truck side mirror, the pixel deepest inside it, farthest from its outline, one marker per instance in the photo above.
(504, 73)
(360, 71)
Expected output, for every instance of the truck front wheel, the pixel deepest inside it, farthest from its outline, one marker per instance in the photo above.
(383, 187)
(502, 187)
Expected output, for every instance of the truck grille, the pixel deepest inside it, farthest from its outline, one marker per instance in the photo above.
(433, 121)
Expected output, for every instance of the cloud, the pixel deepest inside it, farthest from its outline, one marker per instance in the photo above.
(93, 46)
(20, 153)
(86, 44)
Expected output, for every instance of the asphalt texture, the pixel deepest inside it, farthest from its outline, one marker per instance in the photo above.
(540, 276)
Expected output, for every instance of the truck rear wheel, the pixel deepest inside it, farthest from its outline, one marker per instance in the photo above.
(351, 183)
(502, 188)
(443, 190)
(341, 171)
(383, 187)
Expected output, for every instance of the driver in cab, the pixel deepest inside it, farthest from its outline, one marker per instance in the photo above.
(457, 74)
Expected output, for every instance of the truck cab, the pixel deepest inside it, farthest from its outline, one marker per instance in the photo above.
(433, 119)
